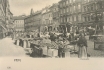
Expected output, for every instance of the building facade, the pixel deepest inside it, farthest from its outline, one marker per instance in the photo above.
(33, 21)
(93, 13)
(9, 18)
(19, 23)
(70, 13)
(10, 25)
(47, 19)
(3, 28)
(55, 14)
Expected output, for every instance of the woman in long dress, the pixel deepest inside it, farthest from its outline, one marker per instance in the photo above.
(82, 43)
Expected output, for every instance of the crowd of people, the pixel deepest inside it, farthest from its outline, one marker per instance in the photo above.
(63, 40)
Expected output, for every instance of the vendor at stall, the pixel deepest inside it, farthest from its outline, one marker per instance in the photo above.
(82, 44)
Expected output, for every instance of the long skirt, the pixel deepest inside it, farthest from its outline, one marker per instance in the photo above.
(82, 52)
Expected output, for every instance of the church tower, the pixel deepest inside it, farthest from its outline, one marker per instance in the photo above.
(31, 12)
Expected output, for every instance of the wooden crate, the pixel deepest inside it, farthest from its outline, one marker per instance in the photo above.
(67, 54)
(52, 52)
(45, 50)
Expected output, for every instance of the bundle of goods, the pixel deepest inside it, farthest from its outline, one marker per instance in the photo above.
(64, 49)
(54, 45)
(49, 49)
(52, 52)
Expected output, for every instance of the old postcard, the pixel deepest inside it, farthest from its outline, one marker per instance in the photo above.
(51, 34)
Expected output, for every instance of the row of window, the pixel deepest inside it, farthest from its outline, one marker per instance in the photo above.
(93, 7)
(33, 18)
(47, 22)
(19, 25)
(71, 18)
(33, 23)
(85, 18)
(62, 4)
(94, 17)
(66, 2)
(19, 21)
(75, 8)
(55, 9)
(47, 15)
(56, 14)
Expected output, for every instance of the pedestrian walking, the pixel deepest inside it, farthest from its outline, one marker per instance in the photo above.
(82, 44)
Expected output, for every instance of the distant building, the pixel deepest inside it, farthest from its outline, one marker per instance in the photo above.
(33, 21)
(19, 23)
(47, 18)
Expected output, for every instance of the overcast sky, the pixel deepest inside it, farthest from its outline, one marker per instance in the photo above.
(19, 7)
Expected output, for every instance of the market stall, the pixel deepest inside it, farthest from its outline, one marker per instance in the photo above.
(99, 43)
(95, 37)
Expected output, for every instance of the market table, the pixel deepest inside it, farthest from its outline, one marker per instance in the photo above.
(44, 49)
(95, 37)
(99, 43)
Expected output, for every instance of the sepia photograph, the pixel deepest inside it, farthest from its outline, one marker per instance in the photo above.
(72, 29)
(52, 29)
(51, 34)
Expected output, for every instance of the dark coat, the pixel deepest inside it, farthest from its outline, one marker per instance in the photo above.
(82, 41)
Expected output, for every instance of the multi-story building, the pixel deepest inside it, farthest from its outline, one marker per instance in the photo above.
(9, 16)
(9, 23)
(47, 18)
(19, 23)
(33, 21)
(63, 10)
(55, 13)
(93, 13)
(3, 28)
(4, 20)
(70, 13)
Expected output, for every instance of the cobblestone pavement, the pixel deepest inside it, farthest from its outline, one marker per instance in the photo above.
(8, 48)
(90, 50)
